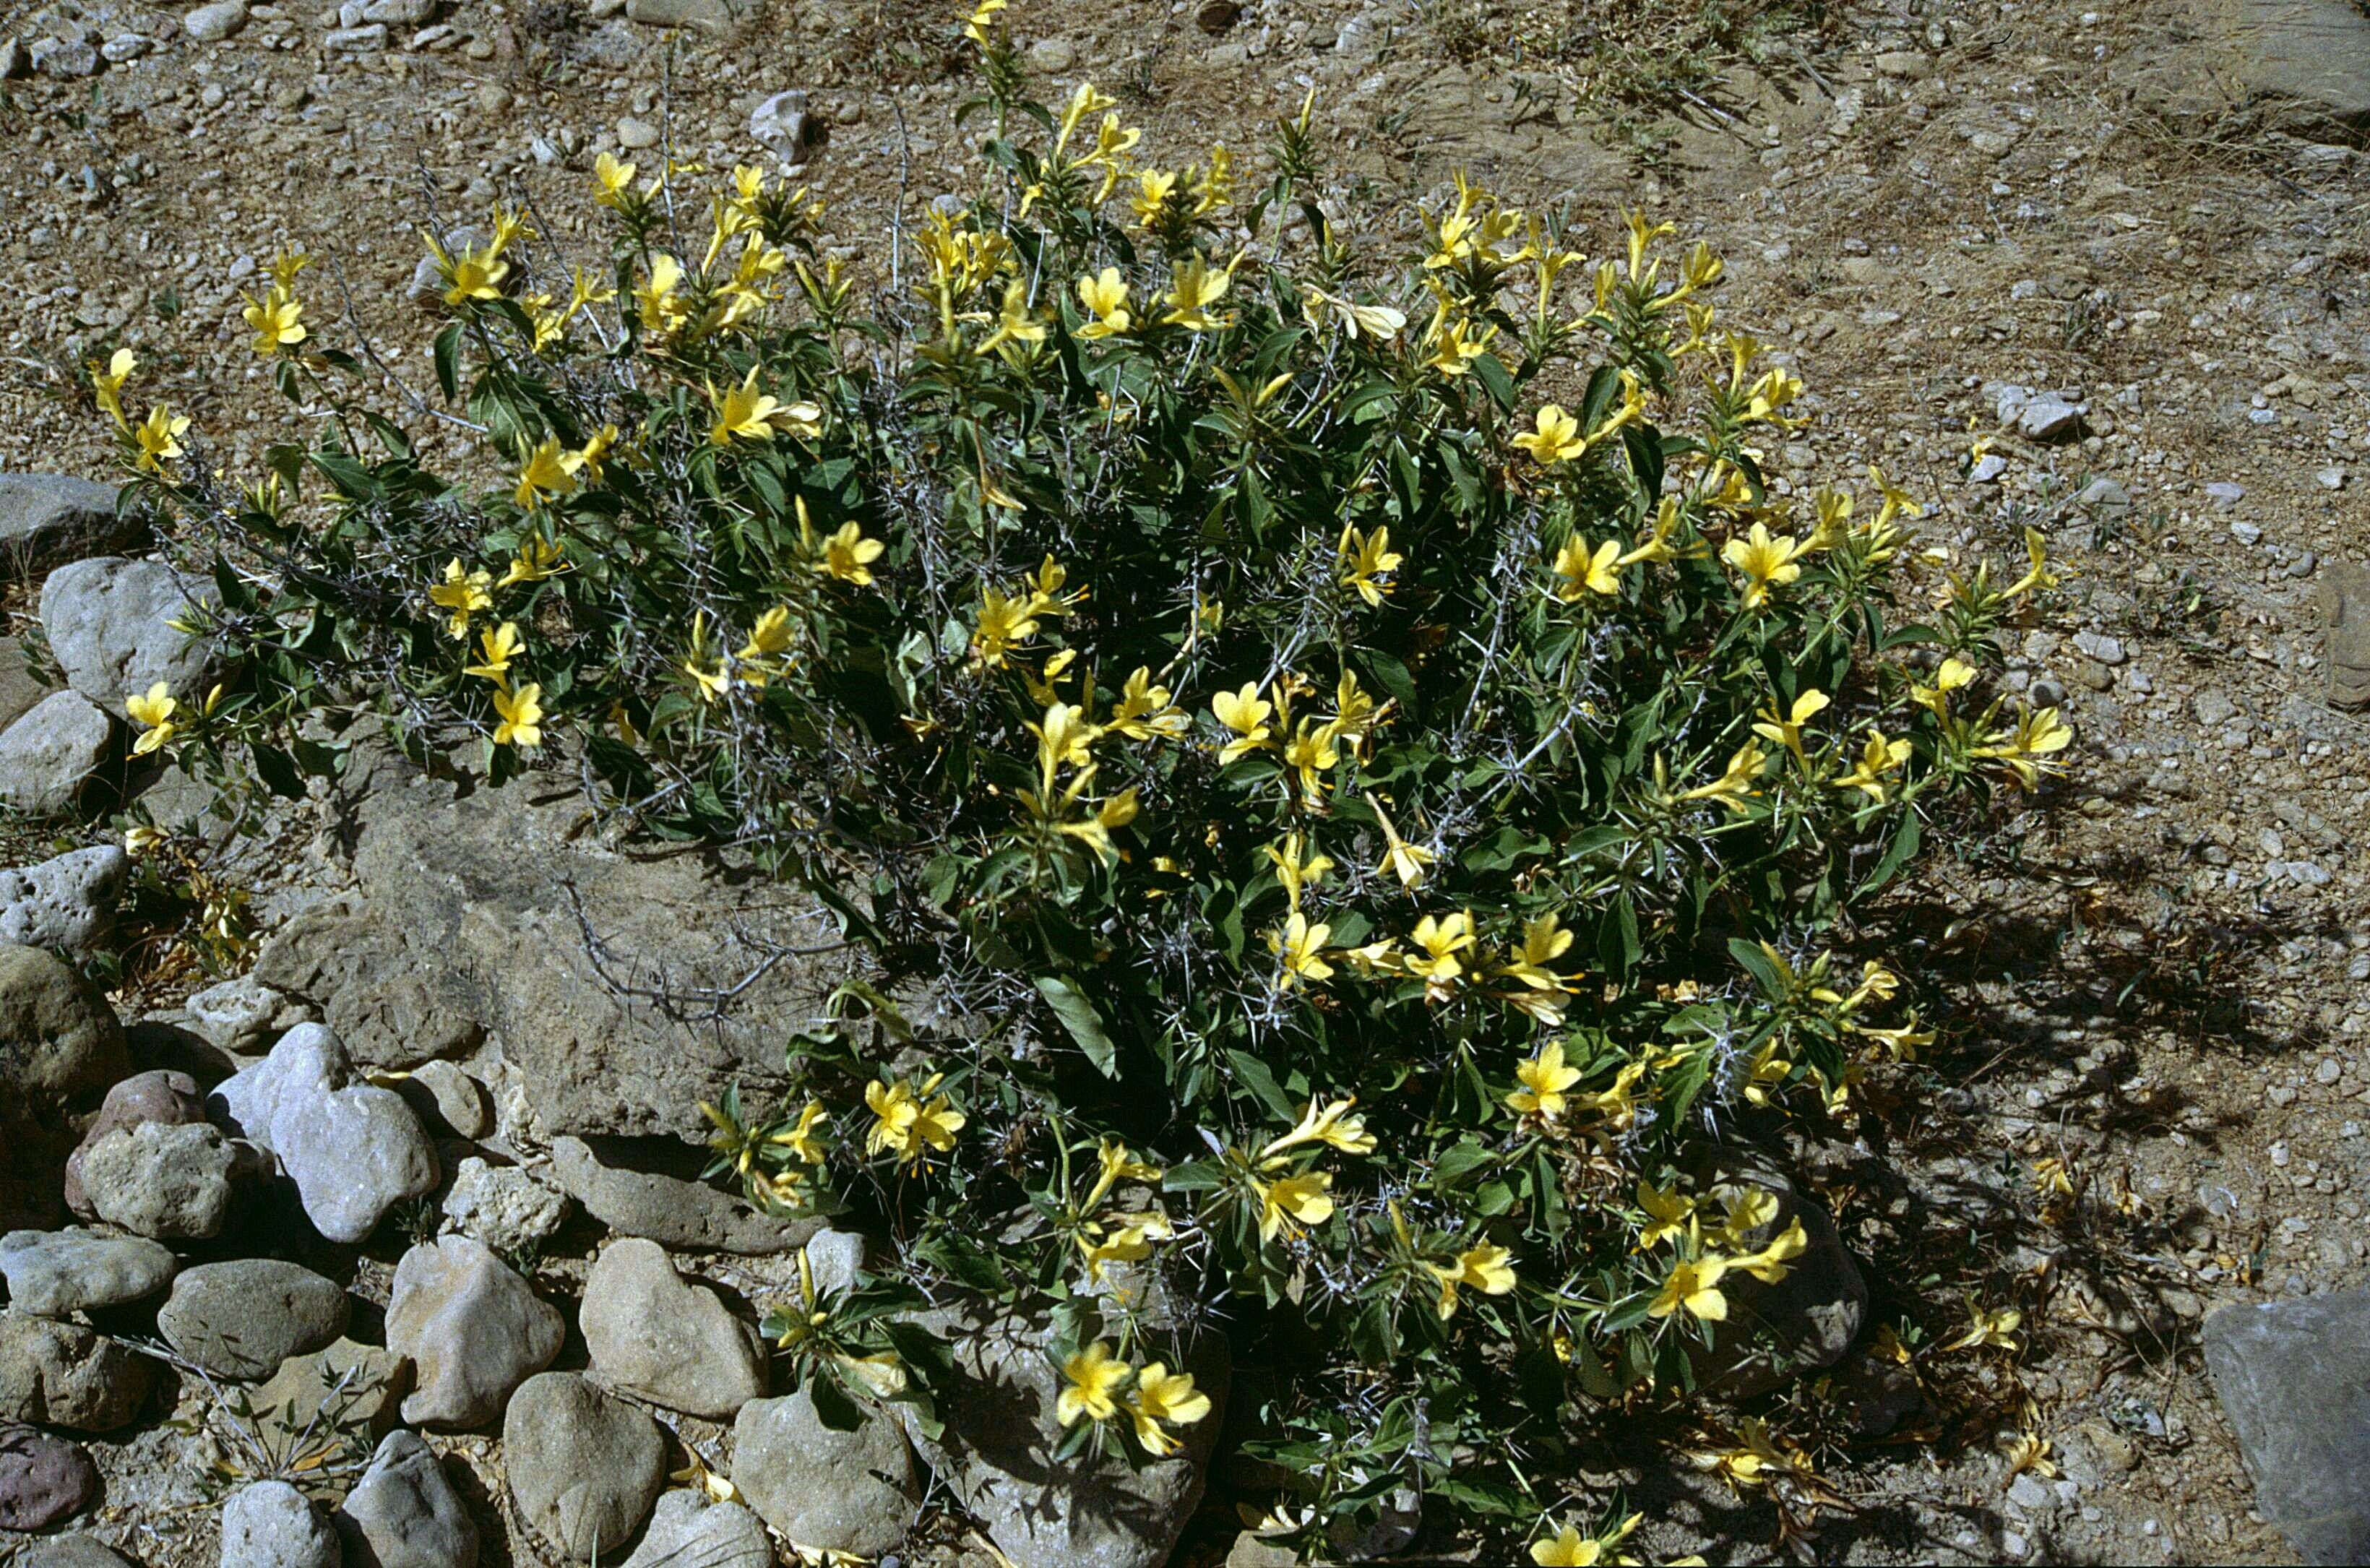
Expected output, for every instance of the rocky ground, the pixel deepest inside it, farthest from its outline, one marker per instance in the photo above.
(2091, 270)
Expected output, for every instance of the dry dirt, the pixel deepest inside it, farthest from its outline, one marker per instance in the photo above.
(2157, 977)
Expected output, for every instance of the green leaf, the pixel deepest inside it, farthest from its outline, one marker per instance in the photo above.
(1253, 1074)
(448, 362)
(1758, 963)
(1086, 1027)
(278, 770)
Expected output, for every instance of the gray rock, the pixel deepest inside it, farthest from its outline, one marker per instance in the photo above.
(400, 13)
(240, 1014)
(504, 1206)
(2310, 57)
(834, 1260)
(2106, 499)
(654, 1334)
(369, 40)
(2224, 494)
(2214, 708)
(68, 60)
(1805, 1322)
(2295, 1379)
(353, 1151)
(709, 16)
(2048, 418)
(47, 520)
(346, 1382)
(42, 1478)
(995, 1454)
(466, 920)
(68, 902)
(20, 685)
(53, 1273)
(271, 1525)
(782, 126)
(635, 136)
(688, 1531)
(66, 1375)
(243, 1318)
(211, 24)
(1987, 469)
(2345, 620)
(442, 1094)
(50, 754)
(671, 1209)
(69, 1551)
(846, 1492)
(110, 624)
(474, 1330)
(59, 1044)
(162, 1179)
(404, 1512)
(584, 1466)
(158, 1095)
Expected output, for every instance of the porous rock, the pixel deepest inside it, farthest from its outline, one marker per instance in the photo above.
(66, 903)
(270, 1524)
(157, 1095)
(504, 1206)
(159, 1179)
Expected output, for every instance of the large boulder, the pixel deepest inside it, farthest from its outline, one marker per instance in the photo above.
(473, 1327)
(852, 1493)
(584, 1466)
(654, 1334)
(353, 1149)
(625, 990)
(66, 903)
(111, 625)
(1001, 1432)
(48, 519)
(50, 755)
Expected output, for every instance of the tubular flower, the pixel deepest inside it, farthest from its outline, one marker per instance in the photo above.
(910, 1124)
(1291, 1202)
(107, 385)
(1245, 713)
(153, 711)
(1092, 1380)
(1300, 947)
(1557, 438)
(1583, 570)
(157, 439)
(1163, 1399)
(1543, 1079)
(1694, 1286)
(1878, 760)
(276, 320)
(1763, 561)
(1328, 1122)
(464, 593)
(2025, 750)
(1105, 297)
(1365, 558)
(848, 556)
(498, 645)
(548, 472)
(1485, 1268)
(1786, 729)
(522, 716)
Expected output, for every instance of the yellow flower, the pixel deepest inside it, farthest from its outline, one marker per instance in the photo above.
(1003, 624)
(1442, 941)
(1193, 286)
(1878, 760)
(1328, 1122)
(501, 645)
(1144, 711)
(1365, 558)
(848, 556)
(1402, 859)
(1952, 676)
(1105, 297)
(1897, 502)
(1769, 1264)
(1763, 562)
(2039, 578)
(475, 272)
(464, 593)
(107, 385)
(522, 716)
(158, 439)
(801, 1137)
(1557, 438)
(1246, 714)
(1569, 1549)
(1094, 1377)
(1312, 753)
(1786, 729)
(275, 319)
(906, 1123)
(1485, 1268)
(153, 711)
(1300, 945)
(1163, 1399)
(1994, 1328)
(536, 560)
(1291, 1202)
(613, 180)
(1670, 1214)
(743, 412)
(2037, 735)
(548, 472)
(1584, 570)
(1294, 872)
(1734, 787)
(1695, 1286)
(1544, 1077)
(663, 311)
(1544, 942)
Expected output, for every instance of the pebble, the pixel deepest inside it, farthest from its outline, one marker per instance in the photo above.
(211, 24)
(452, 1096)
(360, 1383)
(473, 1327)
(636, 135)
(368, 40)
(1987, 469)
(2224, 494)
(2245, 532)
(2331, 478)
(584, 1466)
(61, 1272)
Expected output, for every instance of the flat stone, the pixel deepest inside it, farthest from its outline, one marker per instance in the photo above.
(2313, 56)
(47, 520)
(243, 1318)
(584, 1466)
(454, 1098)
(709, 16)
(404, 1512)
(42, 1478)
(654, 1334)
(2295, 1379)
(49, 756)
(842, 1492)
(673, 1210)
(66, 1375)
(54, 1273)
(473, 1327)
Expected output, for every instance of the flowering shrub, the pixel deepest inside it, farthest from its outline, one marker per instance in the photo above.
(1358, 734)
